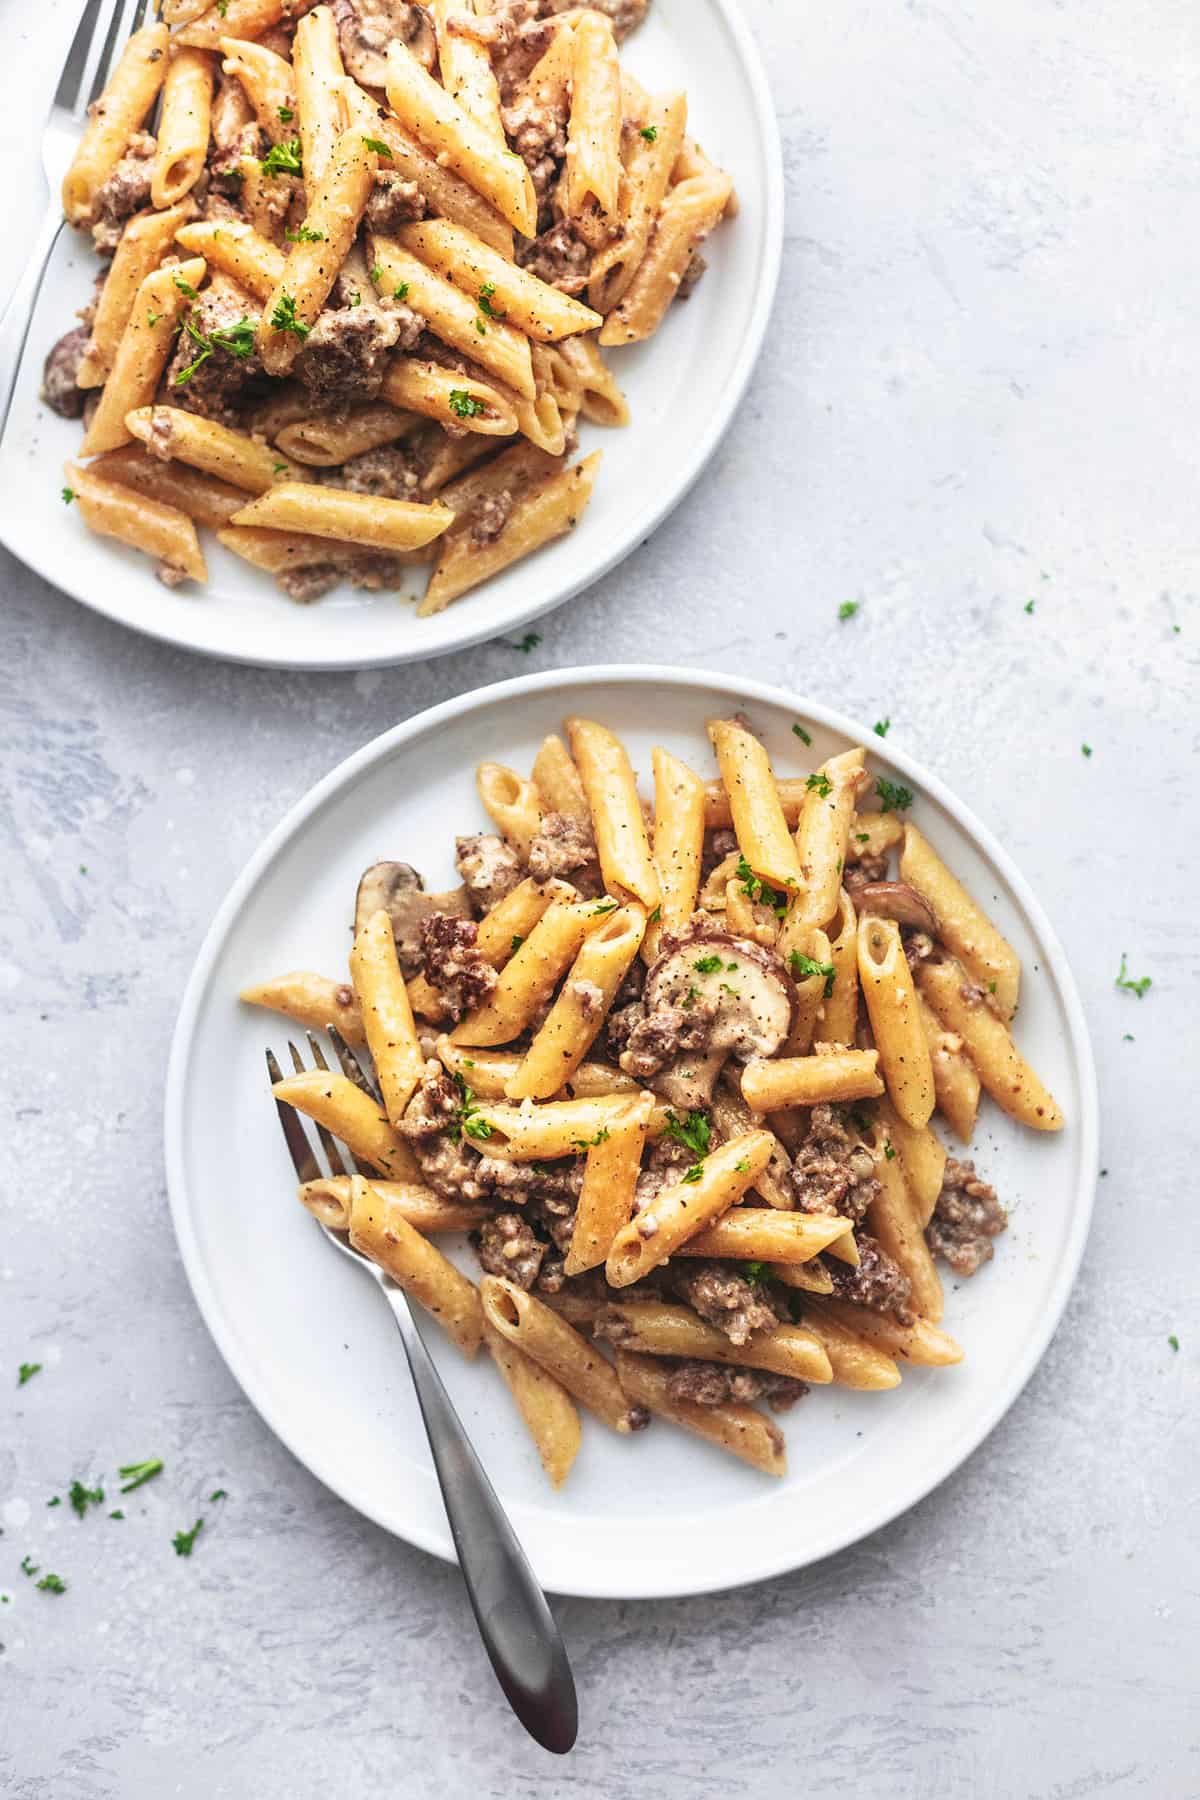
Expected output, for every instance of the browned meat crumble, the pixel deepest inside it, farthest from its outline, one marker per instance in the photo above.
(124, 192)
(393, 202)
(453, 965)
(723, 1297)
(561, 847)
(507, 1246)
(967, 1217)
(558, 256)
(714, 1384)
(489, 867)
(59, 390)
(345, 355)
(878, 1281)
(490, 517)
(831, 1172)
(389, 471)
(370, 570)
(222, 384)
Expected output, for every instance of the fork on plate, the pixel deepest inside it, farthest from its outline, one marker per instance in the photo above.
(95, 51)
(517, 1627)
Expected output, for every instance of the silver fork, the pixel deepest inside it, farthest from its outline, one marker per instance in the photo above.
(95, 49)
(517, 1627)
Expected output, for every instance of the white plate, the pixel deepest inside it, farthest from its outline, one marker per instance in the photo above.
(310, 1340)
(683, 388)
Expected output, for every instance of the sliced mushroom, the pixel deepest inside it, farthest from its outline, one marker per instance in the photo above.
(365, 29)
(397, 888)
(895, 900)
(747, 986)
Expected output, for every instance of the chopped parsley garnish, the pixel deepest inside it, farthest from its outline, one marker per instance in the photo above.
(847, 609)
(602, 907)
(26, 1372)
(28, 1566)
(116, 1513)
(754, 1271)
(379, 147)
(889, 1154)
(376, 273)
(1130, 986)
(217, 1494)
(656, 915)
(82, 1497)
(480, 327)
(516, 944)
(1086, 748)
(57, 1501)
(184, 1540)
(1173, 1341)
(152, 319)
(134, 1474)
(222, 7)
(743, 1167)
(279, 468)
(819, 784)
(68, 495)
(803, 966)
(761, 891)
(881, 727)
(237, 340)
(356, 298)
(601, 1137)
(284, 317)
(286, 114)
(693, 1131)
(185, 288)
(707, 965)
(862, 837)
(464, 405)
(691, 1176)
(649, 132)
(283, 159)
(804, 736)
(304, 235)
(52, 1584)
(487, 294)
(467, 1120)
(1029, 605)
(894, 795)
(529, 642)
(401, 293)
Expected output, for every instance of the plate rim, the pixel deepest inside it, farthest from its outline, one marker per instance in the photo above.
(927, 1477)
(707, 443)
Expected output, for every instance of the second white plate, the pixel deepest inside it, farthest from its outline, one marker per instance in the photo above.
(683, 388)
(310, 1340)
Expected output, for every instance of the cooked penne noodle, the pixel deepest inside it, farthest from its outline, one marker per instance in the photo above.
(873, 834)
(647, 173)
(1001, 1068)
(320, 107)
(230, 456)
(142, 353)
(292, 309)
(617, 819)
(731, 1117)
(449, 396)
(559, 1349)
(916, 1340)
(239, 251)
(922, 1157)
(454, 318)
(279, 552)
(343, 1108)
(129, 93)
(771, 1083)
(325, 442)
(557, 781)
(763, 1234)
(368, 519)
(610, 1175)
(313, 1001)
(684, 1207)
(206, 501)
(600, 397)
(386, 1014)
(515, 1133)
(855, 1362)
(497, 287)
(891, 999)
(144, 242)
(235, 18)
(268, 82)
(758, 820)
(822, 837)
(329, 1201)
(543, 1403)
(811, 971)
(592, 176)
(655, 1328)
(150, 526)
(184, 112)
(487, 1071)
(955, 1080)
(732, 1426)
(811, 1277)
(892, 1219)
(511, 803)
(689, 213)
(574, 1021)
(466, 68)
(678, 845)
(546, 511)
(531, 974)
(444, 192)
(379, 1229)
(838, 1020)
(963, 927)
(458, 140)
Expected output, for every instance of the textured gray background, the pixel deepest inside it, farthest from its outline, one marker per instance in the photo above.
(981, 387)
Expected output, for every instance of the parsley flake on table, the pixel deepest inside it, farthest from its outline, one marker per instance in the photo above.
(52, 1584)
(529, 642)
(1086, 748)
(1029, 605)
(134, 1474)
(217, 1494)
(283, 159)
(1173, 1341)
(116, 1513)
(1128, 985)
(184, 1541)
(847, 610)
(881, 727)
(895, 797)
(55, 1501)
(68, 494)
(82, 1497)
(28, 1566)
(26, 1372)
(804, 736)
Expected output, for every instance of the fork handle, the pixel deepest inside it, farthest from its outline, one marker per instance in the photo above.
(14, 326)
(515, 1622)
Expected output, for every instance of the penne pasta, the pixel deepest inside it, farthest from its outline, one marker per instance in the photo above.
(610, 1176)
(691, 210)
(769, 1084)
(454, 399)
(452, 317)
(559, 1349)
(129, 93)
(387, 1018)
(329, 1201)
(656, 1328)
(361, 1123)
(184, 112)
(458, 140)
(144, 242)
(617, 820)
(206, 501)
(838, 1017)
(497, 287)
(142, 353)
(891, 998)
(956, 1083)
(511, 803)
(915, 1341)
(543, 1403)
(702, 1193)
(267, 81)
(557, 781)
(230, 456)
(323, 241)
(538, 1133)
(466, 68)
(574, 1021)
(592, 176)
(314, 1001)
(922, 1158)
(678, 846)
(150, 526)
(758, 819)
(742, 1430)
(764, 1234)
(654, 148)
(369, 519)
(325, 442)
(892, 1220)
(822, 839)
(379, 1230)
(531, 973)
(320, 107)
(545, 511)
(855, 1362)
(1003, 1071)
(963, 927)
(239, 251)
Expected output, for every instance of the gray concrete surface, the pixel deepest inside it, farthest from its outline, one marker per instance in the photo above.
(981, 387)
